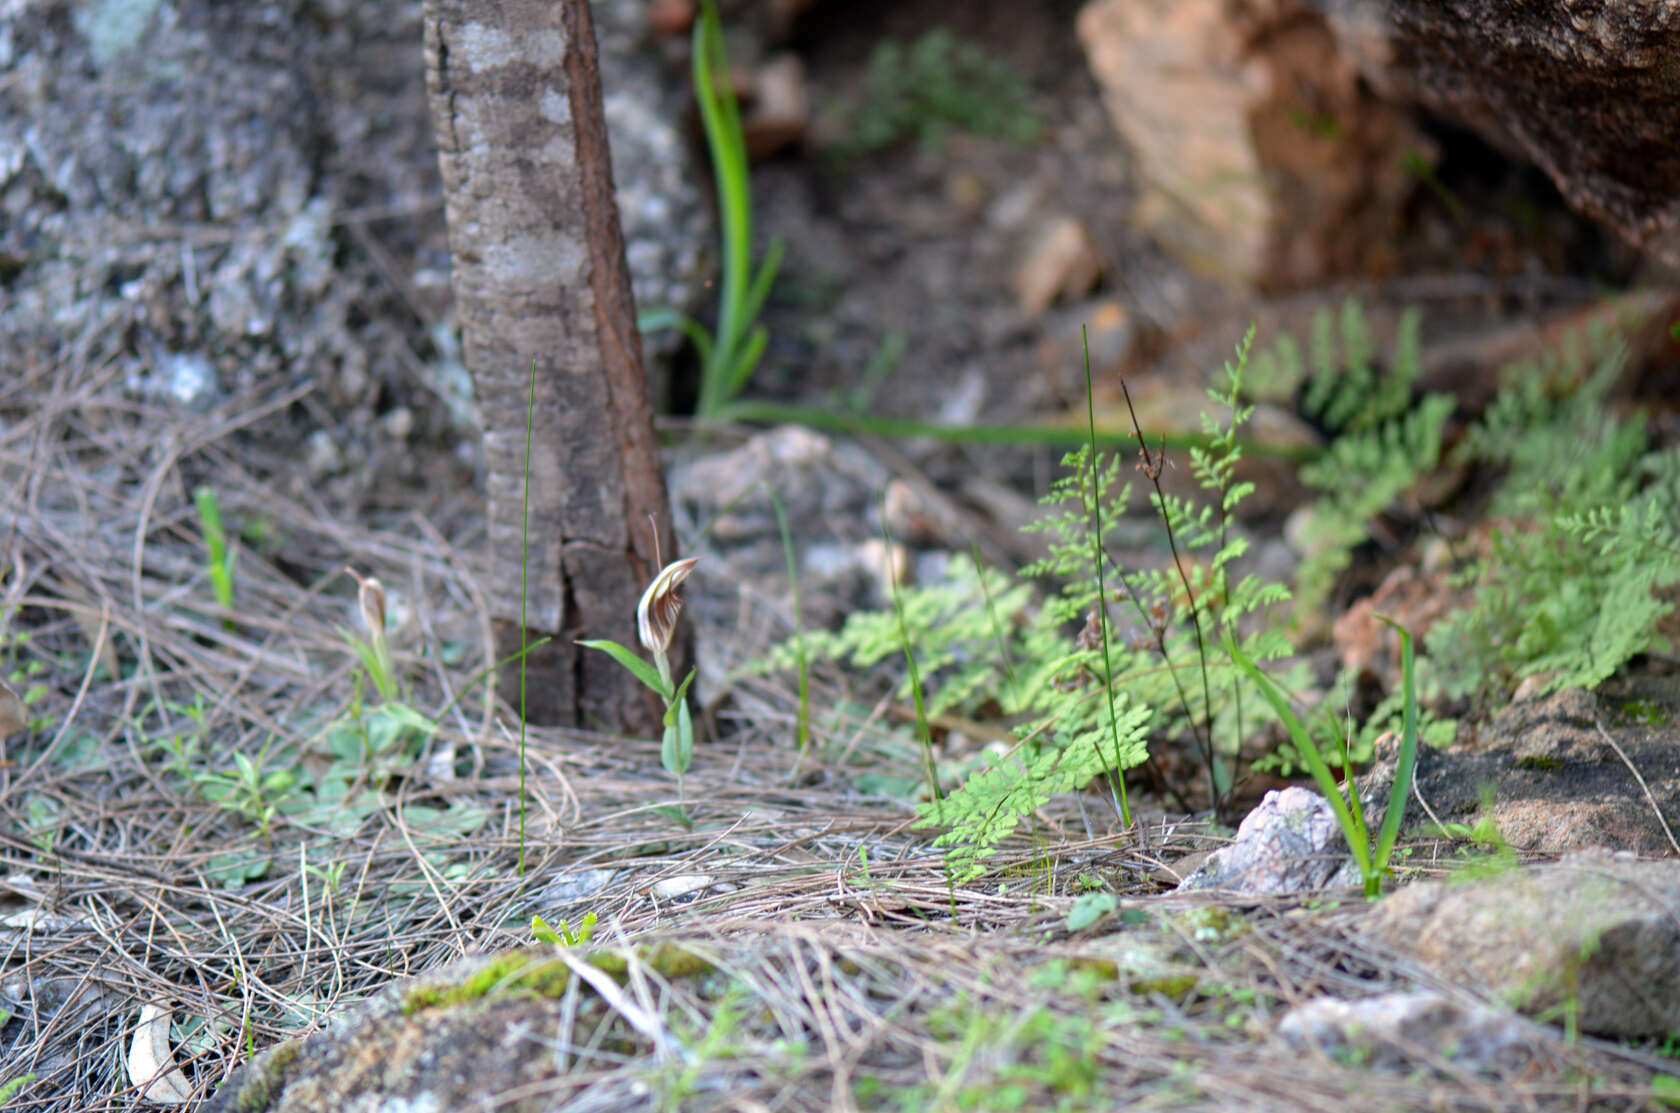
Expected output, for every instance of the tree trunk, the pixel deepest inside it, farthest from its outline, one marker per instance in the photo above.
(540, 280)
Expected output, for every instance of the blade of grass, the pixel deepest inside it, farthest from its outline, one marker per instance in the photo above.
(760, 289)
(720, 118)
(804, 731)
(1357, 836)
(1406, 763)
(1070, 436)
(655, 319)
(924, 732)
(745, 363)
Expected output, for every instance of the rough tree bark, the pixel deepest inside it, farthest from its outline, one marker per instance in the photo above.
(1586, 89)
(540, 278)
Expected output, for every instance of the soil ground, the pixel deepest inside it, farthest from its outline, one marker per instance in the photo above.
(349, 844)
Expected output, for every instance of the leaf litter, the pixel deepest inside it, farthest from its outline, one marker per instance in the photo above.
(184, 908)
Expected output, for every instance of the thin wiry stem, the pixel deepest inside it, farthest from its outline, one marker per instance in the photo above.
(524, 598)
(1112, 771)
(1151, 467)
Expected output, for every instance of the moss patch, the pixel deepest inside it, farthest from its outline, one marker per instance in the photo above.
(267, 1078)
(522, 972)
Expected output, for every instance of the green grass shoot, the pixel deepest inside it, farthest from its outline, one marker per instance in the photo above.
(220, 556)
(924, 732)
(729, 354)
(1372, 861)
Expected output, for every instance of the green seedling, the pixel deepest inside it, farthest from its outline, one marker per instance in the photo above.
(331, 876)
(1088, 909)
(220, 556)
(1416, 164)
(656, 624)
(730, 354)
(10, 1089)
(375, 652)
(925, 89)
(564, 936)
(251, 790)
(1350, 813)
(22, 689)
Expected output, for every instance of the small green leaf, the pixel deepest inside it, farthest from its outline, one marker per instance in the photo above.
(668, 751)
(1090, 908)
(678, 700)
(542, 933)
(685, 737)
(10, 1089)
(644, 672)
(675, 815)
(1666, 1089)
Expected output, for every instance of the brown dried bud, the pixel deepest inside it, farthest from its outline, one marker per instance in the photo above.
(372, 600)
(656, 614)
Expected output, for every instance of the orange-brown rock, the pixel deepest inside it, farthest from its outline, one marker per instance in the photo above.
(1266, 160)
(1585, 89)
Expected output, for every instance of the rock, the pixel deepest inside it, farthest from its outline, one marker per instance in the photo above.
(1290, 843)
(1112, 330)
(204, 199)
(321, 456)
(1402, 1031)
(1543, 776)
(1266, 160)
(669, 18)
(1597, 936)
(1415, 600)
(455, 1038)
(779, 458)
(906, 514)
(780, 111)
(888, 565)
(1062, 262)
(828, 491)
(1584, 91)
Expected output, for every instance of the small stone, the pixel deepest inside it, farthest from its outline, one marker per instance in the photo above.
(767, 459)
(888, 565)
(1015, 206)
(682, 885)
(904, 513)
(1593, 934)
(1063, 261)
(190, 379)
(399, 423)
(669, 18)
(1389, 1031)
(780, 109)
(321, 455)
(577, 886)
(1290, 843)
(966, 192)
(1364, 642)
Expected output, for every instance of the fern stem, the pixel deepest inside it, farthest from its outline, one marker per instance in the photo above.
(1203, 732)
(1112, 771)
